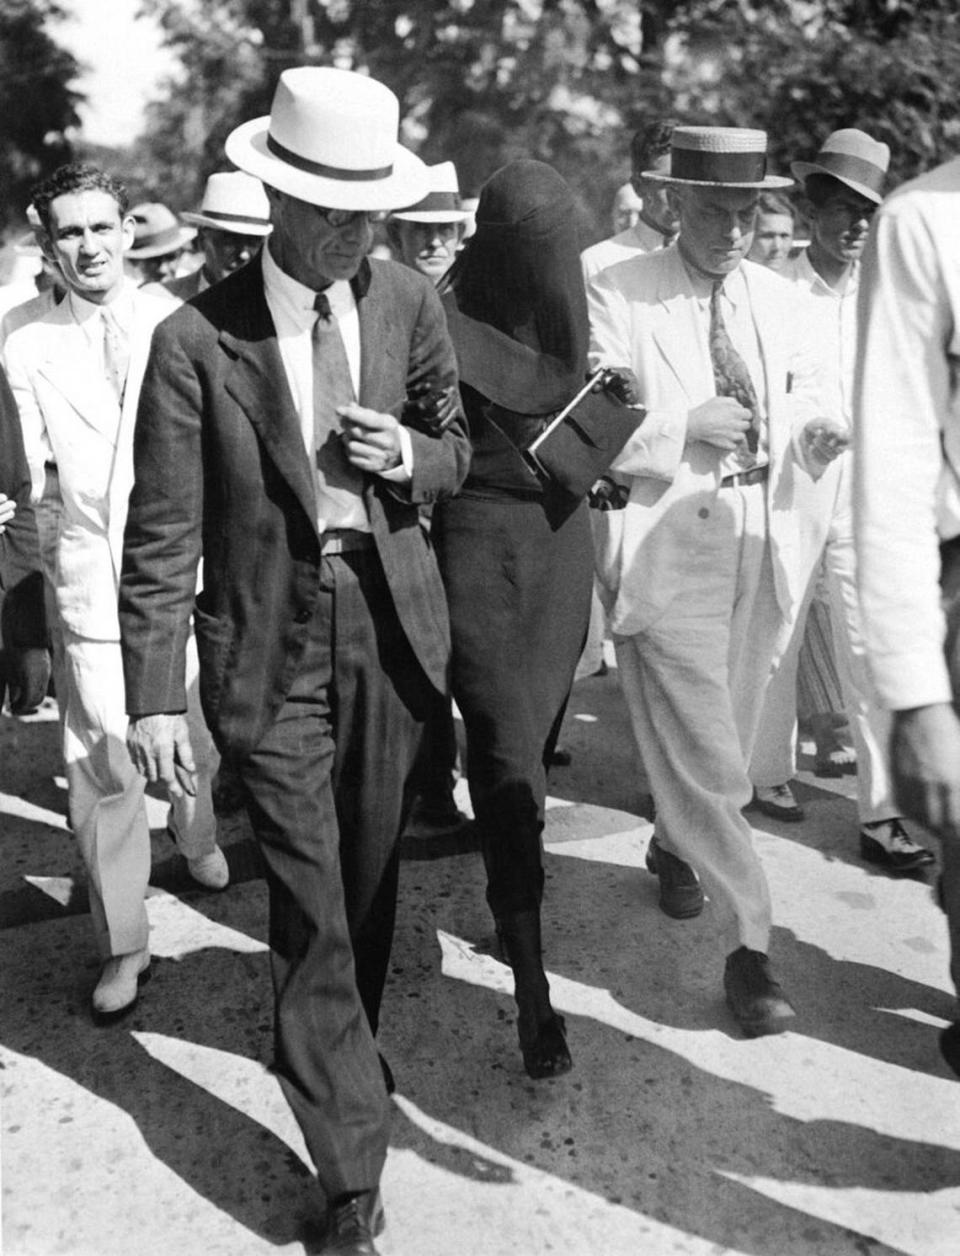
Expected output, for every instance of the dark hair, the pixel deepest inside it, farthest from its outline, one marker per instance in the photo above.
(774, 203)
(650, 144)
(76, 177)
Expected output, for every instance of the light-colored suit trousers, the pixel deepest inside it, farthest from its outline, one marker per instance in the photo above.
(694, 683)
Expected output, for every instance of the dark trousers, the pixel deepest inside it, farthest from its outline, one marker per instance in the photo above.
(327, 799)
(950, 851)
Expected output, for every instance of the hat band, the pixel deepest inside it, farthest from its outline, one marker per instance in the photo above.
(169, 235)
(701, 167)
(846, 166)
(327, 172)
(250, 218)
(436, 201)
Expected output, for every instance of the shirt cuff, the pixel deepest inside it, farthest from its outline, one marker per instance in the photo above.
(404, 473)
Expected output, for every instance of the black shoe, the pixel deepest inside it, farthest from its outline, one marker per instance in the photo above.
(950, 1046)
(560, 758)
(541, 1031)
(897, 852)
(756, 1000)
(778, 802)
(546, 1054)
(681, 895)
(352, 1224)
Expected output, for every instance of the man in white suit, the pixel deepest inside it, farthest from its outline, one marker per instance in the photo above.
(698, 569)
(75, 373)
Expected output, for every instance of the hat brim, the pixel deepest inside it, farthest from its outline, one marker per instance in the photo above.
(184, 236)
(244, 227)
(801, 170)
(408, 183)
(768, 183)
(433, 215)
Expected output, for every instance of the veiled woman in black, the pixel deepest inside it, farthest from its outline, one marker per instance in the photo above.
(516, 555)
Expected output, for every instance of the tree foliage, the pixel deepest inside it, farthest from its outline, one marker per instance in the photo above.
(568, 80)
(37, 103)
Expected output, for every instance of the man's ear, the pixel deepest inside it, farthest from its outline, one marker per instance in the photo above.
(128, 228)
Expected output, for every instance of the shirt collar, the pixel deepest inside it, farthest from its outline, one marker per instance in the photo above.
(121, 306)
(298, 299)
(803, 269)
(703, 284)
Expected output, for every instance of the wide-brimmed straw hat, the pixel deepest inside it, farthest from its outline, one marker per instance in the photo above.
(233, 201)
(442, 203)
(331, 140)
(718, 157)
(853, 157)
(158, 231)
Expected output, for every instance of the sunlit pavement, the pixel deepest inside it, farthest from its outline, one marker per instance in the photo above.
(168, 1134)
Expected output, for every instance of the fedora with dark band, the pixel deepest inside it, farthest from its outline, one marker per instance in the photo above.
(331, 140)
(718, 156)
(158, 231)
(233, 201)
(855, 158)
(442, 202)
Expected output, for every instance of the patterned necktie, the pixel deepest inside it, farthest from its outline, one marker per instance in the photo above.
(730, 374)
(338, 481)
(116, 352)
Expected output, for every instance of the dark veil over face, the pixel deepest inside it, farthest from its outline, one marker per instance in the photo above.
(520, 272)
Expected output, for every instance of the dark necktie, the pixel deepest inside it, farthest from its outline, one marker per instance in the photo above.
(338, 481)
(730, 372)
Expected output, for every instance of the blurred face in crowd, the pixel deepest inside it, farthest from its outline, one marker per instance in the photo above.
(159, 269)
(429, 247)
(839, 225)
(87, 238)
(772, 240)
(626, 209)
(658, 207)
(317, 246)
(226, 251)
(716, 226)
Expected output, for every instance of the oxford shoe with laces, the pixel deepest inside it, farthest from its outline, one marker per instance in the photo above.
(888, 844)
(352, 1224)
(755, 998)
(778, 802)
(118, 989)
(681, 895)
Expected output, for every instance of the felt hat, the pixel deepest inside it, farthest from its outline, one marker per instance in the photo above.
(718, 157)
(855, 158)
(331, 140)
(442, 202)
(233, 201)
(158, 231)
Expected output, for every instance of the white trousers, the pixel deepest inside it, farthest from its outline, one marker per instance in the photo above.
(694, 683)
(774, 758)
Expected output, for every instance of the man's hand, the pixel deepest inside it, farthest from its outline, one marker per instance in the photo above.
(925, 765)
(431, 409)
(721, 422)
(620, 383)
(8, 508)
(159, 746)
(371, 440)
(825, 439)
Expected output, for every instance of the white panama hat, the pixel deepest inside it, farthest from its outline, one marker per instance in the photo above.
(442, 201)
(331, 140)
(233, 201)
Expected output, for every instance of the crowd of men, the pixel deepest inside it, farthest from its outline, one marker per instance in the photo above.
(214, 521)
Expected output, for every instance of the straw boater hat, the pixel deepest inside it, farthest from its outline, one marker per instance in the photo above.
(158, 231)
(718, 157)
(442, 202)
(233, 201)
(854, 158)
(331, 140)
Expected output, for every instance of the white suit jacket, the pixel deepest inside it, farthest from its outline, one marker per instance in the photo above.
(643, 314)
(69, 411)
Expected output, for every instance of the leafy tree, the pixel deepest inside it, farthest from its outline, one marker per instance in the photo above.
(37, 103)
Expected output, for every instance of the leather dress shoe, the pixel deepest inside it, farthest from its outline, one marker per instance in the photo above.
(210, 870)
(755, 998)
(118, 989)
(352, 1224)
(681, 895)
(778, 802)
(889, 845)
(950, 1046)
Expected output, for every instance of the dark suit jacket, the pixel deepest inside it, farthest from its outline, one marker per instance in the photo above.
(22, 620)
(220, 466)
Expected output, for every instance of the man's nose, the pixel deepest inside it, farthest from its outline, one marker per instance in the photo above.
(89, 242)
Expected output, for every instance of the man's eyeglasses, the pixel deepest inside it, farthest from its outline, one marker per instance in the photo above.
(344, 217)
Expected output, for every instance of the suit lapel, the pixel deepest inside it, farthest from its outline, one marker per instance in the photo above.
(70, 367)
(257, 382)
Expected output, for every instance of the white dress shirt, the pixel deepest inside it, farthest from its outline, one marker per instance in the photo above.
(640, 238)
(835, 326)
(907, 433)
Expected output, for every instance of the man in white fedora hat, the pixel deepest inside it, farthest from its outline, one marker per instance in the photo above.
(159, 239)
(842, 188)
(277, 435)
(427, 235)
(697, 568)
(231, 223)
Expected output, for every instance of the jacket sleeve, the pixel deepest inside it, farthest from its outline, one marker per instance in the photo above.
(19, 547)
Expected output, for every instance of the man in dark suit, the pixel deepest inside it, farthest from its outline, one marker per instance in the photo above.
(321, 624)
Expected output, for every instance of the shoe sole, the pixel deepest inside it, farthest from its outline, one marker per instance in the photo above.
(100, 1019)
